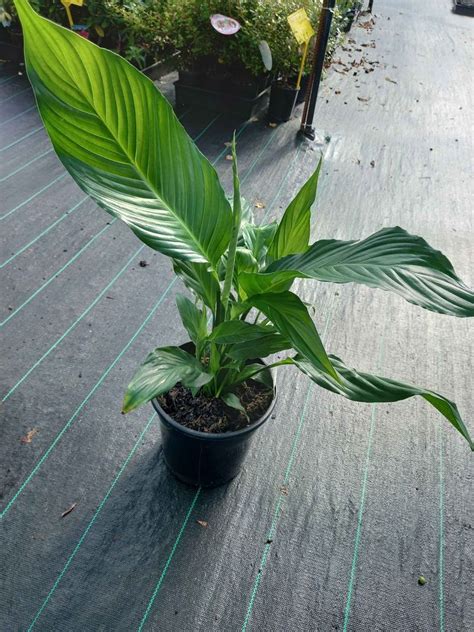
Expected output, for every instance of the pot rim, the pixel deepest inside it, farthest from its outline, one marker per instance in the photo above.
(214, 436)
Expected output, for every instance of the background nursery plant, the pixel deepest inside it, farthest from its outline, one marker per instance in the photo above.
(120, 140)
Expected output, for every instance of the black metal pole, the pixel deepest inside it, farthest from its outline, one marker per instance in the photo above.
(371, 4)
(320, 46)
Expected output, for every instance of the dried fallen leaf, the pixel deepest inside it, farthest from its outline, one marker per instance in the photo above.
(364, 99)
(284, 490)
(372, 163)
(202, 523)
(272, 124)
(68, 510)
(28, 438)
(229, 157)
(259, 205)
(391, 80)
(228, 144)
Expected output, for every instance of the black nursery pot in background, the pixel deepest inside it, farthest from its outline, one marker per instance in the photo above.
(282, 102)
(205, 459)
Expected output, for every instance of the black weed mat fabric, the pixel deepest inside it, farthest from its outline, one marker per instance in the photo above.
(341, 507)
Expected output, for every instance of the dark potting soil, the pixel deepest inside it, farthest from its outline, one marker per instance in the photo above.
(208, 414)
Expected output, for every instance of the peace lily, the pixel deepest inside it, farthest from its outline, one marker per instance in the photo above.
(120, 140)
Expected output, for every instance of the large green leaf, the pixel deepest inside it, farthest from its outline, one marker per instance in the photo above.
(121, 141)
(259, 348)
(390, 259)
(364, 387)
(234, 331)
(193, 319)
(293, 231)
(163, 369)
(197, 278)
(290, 317)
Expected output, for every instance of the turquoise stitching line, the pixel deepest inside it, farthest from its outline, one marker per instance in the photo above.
(363, 494)
(441, 532)
(19, 140)
(277, 511)
(168, 562)
(4, 81)
(35, 195)
(360, 516)
(56, 274)
(14, 95)
(91, 523)
(85, 400)
(71, 327)
(12, 118)
(43, 233)
(30, 162)
(266, 212)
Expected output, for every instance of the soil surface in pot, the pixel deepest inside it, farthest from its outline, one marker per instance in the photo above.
(208, 414)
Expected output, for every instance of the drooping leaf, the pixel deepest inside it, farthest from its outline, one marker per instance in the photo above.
(244, 261)
(234, 331)
(364, 387)
(390, 259)
(121, 141)
(193, 318)
(260, 348)
(163, 369)
(293, 231)
(290, 317)
(197, 278)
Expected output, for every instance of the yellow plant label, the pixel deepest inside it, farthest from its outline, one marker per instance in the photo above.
(301, 26)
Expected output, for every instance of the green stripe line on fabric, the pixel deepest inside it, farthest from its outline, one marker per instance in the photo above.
(86, 399)
(19, 140)
(74, 324)
(95, 387)
(43, 233)
(57, 273)
(168, 561)
(362, 498)
(441, 532)
(35, 195)
(12, 96)
(13, 118)
(91, 523)
(30, 162)
(7, 79)
(277, 510)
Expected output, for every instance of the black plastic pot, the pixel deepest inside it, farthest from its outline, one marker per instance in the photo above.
(282, 102)
(205, 459)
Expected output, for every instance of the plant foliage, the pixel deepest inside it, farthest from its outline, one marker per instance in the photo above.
(120, 140)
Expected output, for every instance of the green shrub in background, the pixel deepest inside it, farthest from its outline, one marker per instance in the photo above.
(144, 31)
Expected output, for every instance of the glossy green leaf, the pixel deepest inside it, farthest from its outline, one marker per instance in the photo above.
(234, 331)
(390, 259)
(252, 283)
(293, 231)
(233, 401)
(197, 278)
(258, 238)
(163, 369)
(121, 141)
(259, 348)
(193, 318)
(290, 317)
(364, 387)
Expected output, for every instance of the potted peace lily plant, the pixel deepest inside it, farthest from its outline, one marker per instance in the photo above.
(121, 141)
